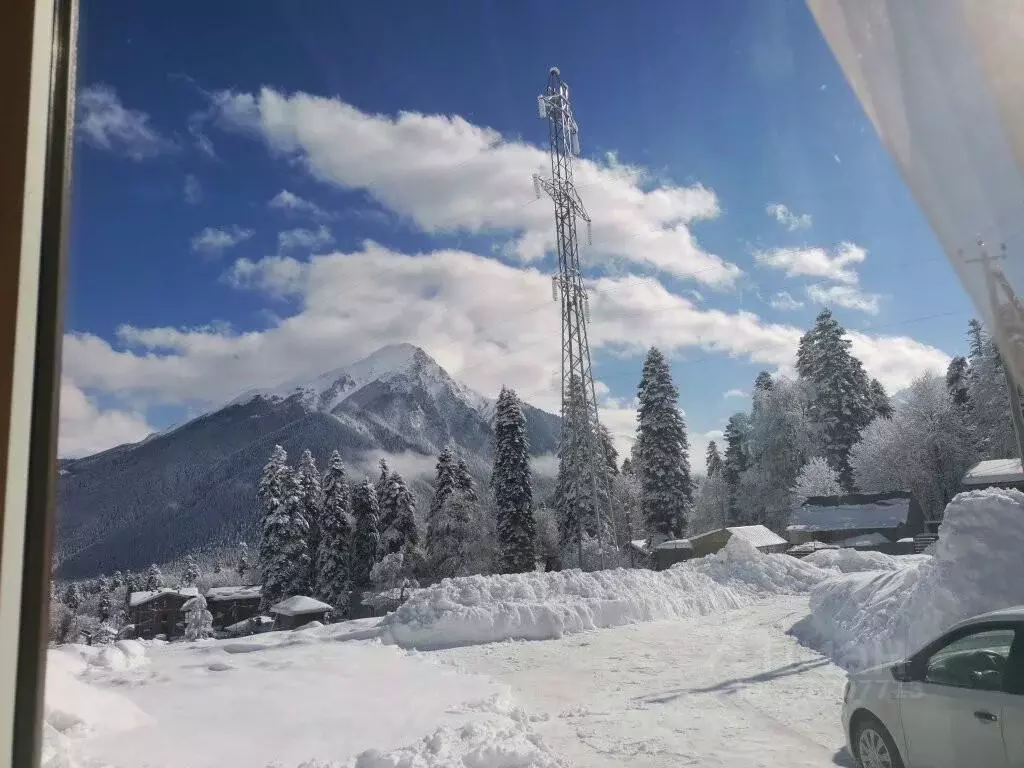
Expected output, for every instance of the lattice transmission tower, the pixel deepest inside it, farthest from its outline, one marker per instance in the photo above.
(580, 425)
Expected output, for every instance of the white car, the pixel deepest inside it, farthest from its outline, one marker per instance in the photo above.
(956, 703)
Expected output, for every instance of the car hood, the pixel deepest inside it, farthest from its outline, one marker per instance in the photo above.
(877, 672)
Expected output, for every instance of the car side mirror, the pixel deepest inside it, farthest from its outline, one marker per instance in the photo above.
(902, 672)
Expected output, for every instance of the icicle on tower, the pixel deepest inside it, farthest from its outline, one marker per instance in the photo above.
(579, 403)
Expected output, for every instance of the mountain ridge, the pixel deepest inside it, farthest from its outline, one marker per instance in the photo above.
(194, 484)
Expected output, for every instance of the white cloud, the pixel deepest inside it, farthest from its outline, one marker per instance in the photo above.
(308, 239)
(86, 429)
(104, 122)
(289, 201)
(848, 296)
(214, 241)
(734, 393)
(784, 302)
(815, 262)
(446, 174)
(193, 190)
(787, 218)
(699, 448)
(486, 322)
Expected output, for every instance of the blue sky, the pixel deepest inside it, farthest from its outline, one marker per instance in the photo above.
(230, 170)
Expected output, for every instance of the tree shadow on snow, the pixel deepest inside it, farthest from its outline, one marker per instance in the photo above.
(730, 686)
(844, 758)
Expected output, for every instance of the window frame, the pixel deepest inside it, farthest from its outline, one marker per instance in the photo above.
(919, 662)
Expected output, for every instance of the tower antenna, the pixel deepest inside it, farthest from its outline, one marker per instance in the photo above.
(580, 425)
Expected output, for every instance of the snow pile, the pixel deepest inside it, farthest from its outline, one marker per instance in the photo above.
(861, 619)
(854, 561)
(540, 606)
(502, 738)
(74, 707)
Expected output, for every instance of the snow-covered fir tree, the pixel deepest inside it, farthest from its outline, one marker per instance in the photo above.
(366, 544)
(611, 455)
(448, 551)
(398, 516)
(778, 443)
(578, 508)
(763, 382)
(312, 503)
(712, 459)
(243, 560)
(190, 575)
(464, 480)
(879, 400)
(283, 554)
(334, 554)
(989, 398)
(380, 487)
(510, 483)
(444, 485)
(840, 400)
(133, 583)
(198, 620)
(711, 504)
(117, 580)
(816, 478)
(925, 448)
(73, 596)
(734, 464)
(956, 381)
(663, 451)
(154, 578)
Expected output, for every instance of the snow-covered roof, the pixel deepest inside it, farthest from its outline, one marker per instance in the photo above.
(864, 540)
(640, 545)
(299, 605)
(994, 471)
(906, 540)
(140, 598)
(851, 515)
(233, 593)
(810, 546)
(675, 544)
(757, 535)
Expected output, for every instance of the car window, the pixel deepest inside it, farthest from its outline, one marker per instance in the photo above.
(977, 660)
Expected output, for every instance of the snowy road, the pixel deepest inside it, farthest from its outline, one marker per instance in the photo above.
(730, 690)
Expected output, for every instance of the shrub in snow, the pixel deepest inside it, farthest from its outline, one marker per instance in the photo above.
(816, 478)
(198, 620)
(862, 619)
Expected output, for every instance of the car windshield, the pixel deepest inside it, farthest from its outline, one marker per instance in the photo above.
(508, 384)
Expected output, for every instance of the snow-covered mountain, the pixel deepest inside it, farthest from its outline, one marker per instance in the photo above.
(196, 484)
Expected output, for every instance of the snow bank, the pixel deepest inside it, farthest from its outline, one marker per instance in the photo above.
(854, 561)
(861, 619)
(540, 606)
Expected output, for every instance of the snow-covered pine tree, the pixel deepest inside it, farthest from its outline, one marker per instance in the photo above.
(133, 583)
(243, 566)
(283, 554)
(763, 382)
(312, 503)
(154, 578)
(381, 486)
(334, 555)
(448, 552)
(198, 620)
(879, 399)
(73, 596)
(627, 466)
(574, 501)
(398, 516)
(510, 482)
(444, 485)
(366, 545)
(611, 456)
(464, 480)
(662, 447)
(712, 460)
(190, 575)
(735, 463)
(117, 580)
(956, 381)
(840, 398)
(990, 402)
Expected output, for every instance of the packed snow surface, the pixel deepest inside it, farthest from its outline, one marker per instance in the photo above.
(862, 619)
(539, 606)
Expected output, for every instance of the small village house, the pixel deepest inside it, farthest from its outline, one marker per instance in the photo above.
(760, 537)
(230, 605)
(852, 520)
(298, 611)
(668, 553)
(159, 612)
(998, 473)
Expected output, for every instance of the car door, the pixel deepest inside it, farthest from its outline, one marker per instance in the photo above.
(1012, 719)
(951, 709)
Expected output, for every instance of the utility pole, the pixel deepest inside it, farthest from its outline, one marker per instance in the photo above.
(994, 280)
(577, 374)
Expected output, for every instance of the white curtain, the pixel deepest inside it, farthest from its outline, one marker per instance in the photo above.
(943, 83)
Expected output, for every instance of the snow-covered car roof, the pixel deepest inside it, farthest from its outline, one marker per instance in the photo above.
(994, 471)
(815, 515)
(298, 605)
(139, 598)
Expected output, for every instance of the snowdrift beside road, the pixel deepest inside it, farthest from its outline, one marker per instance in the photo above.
(862, 619)
(539, 606)
(854, 561)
